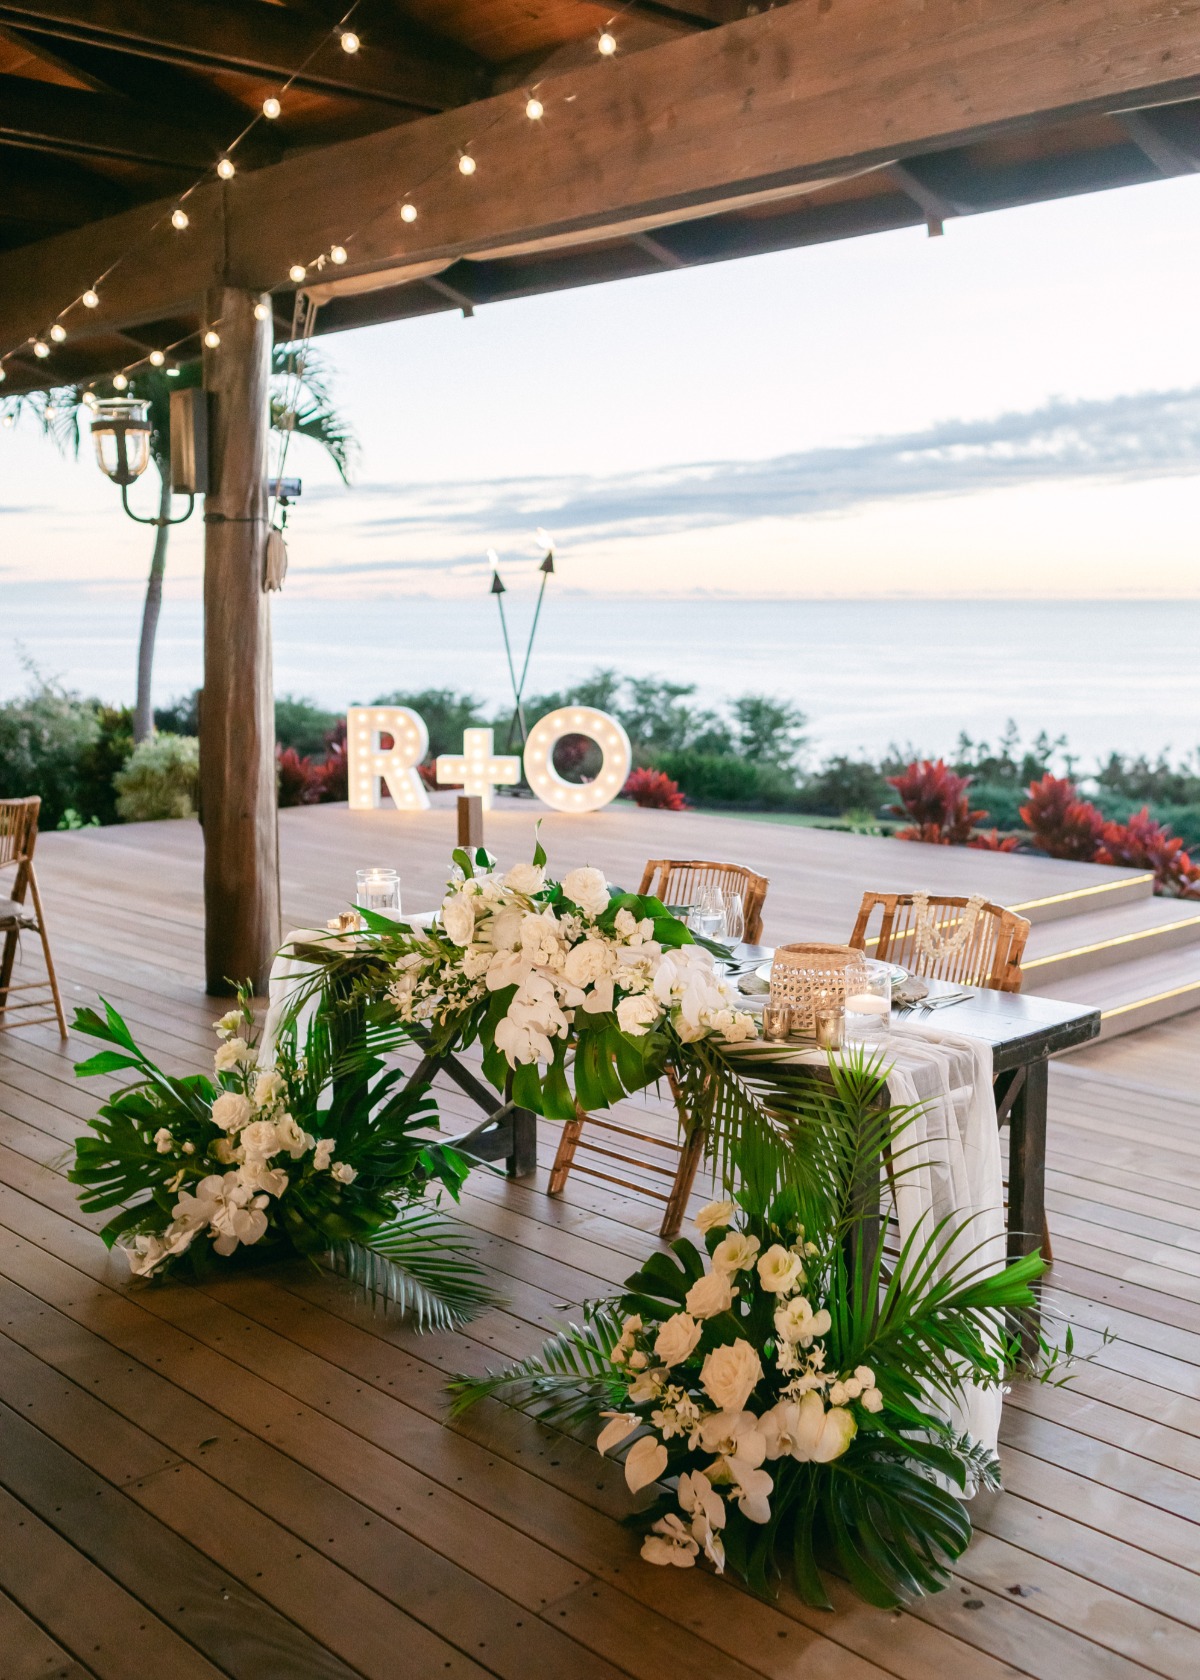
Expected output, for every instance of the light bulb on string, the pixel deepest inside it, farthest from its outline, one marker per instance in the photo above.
(157, 358)
(226, 169)
(58, 332)
(408, 212)
(271, 108)
(297, 272)
(466, 164)
(534, 109)
(90, 400)
(120, 382)
(337, 253)
(211, 339)
(41, 349)
(90, 299)
(3, 377)
(179, 219)
(350, 41)
(172, 373)
(606, 46)
(262, 311)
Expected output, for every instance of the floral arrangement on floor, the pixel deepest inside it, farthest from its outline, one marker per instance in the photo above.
(793, 1401)
(305, 1157)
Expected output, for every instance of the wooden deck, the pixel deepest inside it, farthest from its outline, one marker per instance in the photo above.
(255, 1480)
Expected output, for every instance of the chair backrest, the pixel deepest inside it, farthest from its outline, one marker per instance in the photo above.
(989, 956)
(18, 829)
(677, 882)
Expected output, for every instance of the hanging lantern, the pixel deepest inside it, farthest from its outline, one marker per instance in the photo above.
(121, 433)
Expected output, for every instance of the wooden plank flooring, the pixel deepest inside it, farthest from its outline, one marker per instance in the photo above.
(255, 1479)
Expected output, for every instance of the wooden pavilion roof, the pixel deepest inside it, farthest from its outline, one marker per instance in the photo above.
(712, 133)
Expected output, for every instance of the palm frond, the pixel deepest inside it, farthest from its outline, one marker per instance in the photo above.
(571, 1378)
(422, 1266)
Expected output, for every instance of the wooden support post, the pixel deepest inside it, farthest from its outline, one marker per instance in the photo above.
(470, 821)
(237, 724)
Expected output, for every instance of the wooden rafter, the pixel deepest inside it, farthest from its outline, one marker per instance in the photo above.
(61, 119)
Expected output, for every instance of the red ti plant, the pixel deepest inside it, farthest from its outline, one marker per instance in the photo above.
(299, 778)
(988, 840)
(935, 797)
(654, 790)
(1143, 843)
(1064, 826)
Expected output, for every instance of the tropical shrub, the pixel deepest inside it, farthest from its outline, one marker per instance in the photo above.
(843, 785)
(300, 781)
(99, 763)
(161, 779)
(935, 797)
(653, 790)
(1142, 843)
(44, 735)
(302, 725)
(1063, 825)
(724, 779)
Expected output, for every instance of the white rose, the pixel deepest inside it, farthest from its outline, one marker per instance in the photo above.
(527, 878)
(613, 1433)
(164, 1142)
(224, 1151)
(735, 1253)
(714, 1216)
(231, 1055)
(710, 1295)
(838, 1394)
(779, 1270)
(625, 924)
(343, 1172)
(588, 889)
(260, 1140)
(458, 918)
(323, 1153)
(729, 1374)
(267, 1087)
(676, 1339)
(230, 1111)
(636, 1015)
(645, 1463)
(587, 962)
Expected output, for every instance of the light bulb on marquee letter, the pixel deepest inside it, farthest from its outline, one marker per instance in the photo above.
(554, 789)
(368, 764)
(478, 770)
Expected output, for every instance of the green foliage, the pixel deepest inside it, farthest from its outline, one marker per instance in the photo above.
(725, 779)
(421, 1266)
(45, 735)
(1008, 765)
(161, 779)
(569, 1379)
(770, 732)
(100, 762)
(842, 785)
(181, 716)
(303, 725)
(446, 715)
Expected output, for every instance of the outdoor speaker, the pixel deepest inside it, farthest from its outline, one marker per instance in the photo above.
(189, 442)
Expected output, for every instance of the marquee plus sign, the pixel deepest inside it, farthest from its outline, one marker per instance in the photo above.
(478, 770)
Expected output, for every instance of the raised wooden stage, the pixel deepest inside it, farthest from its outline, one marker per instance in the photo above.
(254, 1480)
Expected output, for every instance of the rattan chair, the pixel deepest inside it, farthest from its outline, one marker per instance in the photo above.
(18, 836)
(675, 883)
(990, 958)
(678, 883)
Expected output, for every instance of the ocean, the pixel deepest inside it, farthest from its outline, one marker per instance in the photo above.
(1110, 675)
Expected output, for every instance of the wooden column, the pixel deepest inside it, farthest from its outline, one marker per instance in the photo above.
(237, 719)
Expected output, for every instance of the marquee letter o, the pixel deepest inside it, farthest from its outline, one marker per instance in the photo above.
(554, 789)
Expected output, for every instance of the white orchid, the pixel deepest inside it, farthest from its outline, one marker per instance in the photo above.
(343, 1172)
(164, 1141)
(796, 1322)
(669, 1542)
(733, 1435)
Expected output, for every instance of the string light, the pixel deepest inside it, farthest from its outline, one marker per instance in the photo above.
(41, 349)
(90, 400)
(211, 339)
(179, 219)
(606, 46)
(261, 312)
(172, 373)
(466, 164)
(157, 358)
(297, 272)
(58, 332)
(337, 253)
(3, 377)
(271, 108)
(226, 169)
(534, 109)
(350, 41)
(408, 212)
(90, 299)
(120, 382)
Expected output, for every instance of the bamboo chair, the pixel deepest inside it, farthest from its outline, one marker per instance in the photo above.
(673, 882)
(991, 959)
(18, 836)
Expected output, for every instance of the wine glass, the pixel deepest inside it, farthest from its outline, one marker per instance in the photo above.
(735, 922)
(707, 915)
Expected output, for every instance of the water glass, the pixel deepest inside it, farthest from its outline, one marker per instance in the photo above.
(707, 915)
(379, 890)
(869, 1007)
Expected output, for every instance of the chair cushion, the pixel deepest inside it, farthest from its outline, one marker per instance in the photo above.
(13, 914)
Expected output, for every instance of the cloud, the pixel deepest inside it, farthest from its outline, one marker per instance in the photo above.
(1146, 435)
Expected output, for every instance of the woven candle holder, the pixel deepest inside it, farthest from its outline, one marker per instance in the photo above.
(805, 978)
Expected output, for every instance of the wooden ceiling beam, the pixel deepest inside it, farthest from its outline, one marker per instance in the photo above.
(258, 40)
(54, 191)
(791, 96)
(60, 119)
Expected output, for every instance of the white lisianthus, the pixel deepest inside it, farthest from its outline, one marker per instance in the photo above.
(323, 1153)
(231, 1055)
(458, 918)
(779, 1270)
(625, 924)
(676, 1339)
(291, 1137)
(795, 1321)
(231, 1111)
(267, 1087)
(729, 1375)
(588, 889)
(229, 1023)
(636, 1015)
(714, 1216)
(669, 1542)
(644, 1463)
(735, 1253)
(711, 1294)
(527, 878)
(164, 1141)
(260, 1140)
(343, 1172)
(872, 1400)
(622, 1425)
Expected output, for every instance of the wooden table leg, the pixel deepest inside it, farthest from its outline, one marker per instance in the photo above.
(1027, 1181)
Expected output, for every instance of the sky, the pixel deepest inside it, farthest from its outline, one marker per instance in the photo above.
(1010, 410)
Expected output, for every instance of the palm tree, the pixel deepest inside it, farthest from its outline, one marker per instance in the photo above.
(301, 404)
